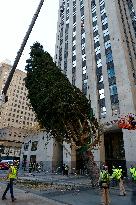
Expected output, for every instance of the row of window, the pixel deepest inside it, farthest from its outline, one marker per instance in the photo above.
(109, 57)
(84, 66)
(132, 14)
(124, 21)
(62, 10)
(20, 122)
(100, 84)
(66, 38)
(74, 45)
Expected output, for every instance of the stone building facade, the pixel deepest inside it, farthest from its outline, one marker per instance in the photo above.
(95, 48)
(16, 115)
(17, 111)
(11, 142)
(40, 147)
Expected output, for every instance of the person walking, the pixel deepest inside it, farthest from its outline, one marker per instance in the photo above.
(104, 181)
(11, 176)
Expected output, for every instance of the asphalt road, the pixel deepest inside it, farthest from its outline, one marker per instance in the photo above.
(90, 197)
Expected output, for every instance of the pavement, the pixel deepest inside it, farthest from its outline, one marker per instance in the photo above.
(26, 198)
(81, 193)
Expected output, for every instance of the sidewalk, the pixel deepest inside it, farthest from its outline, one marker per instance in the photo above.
(24, 198)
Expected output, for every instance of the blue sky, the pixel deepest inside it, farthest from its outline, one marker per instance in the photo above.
(15, 17)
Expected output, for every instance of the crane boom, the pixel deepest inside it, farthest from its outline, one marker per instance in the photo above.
(19, 53)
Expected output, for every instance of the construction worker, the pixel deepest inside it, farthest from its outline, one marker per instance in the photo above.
(114, 179)
(11, 176)
(134, 174)
(132, 169)
(117, 174)
(104, 181)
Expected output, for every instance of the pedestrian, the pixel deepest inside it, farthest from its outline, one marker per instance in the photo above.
(66, 170)
(11, 176)
(104, 182)
(63, 169)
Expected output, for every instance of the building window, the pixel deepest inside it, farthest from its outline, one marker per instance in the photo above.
(34, 146)
(26, 145)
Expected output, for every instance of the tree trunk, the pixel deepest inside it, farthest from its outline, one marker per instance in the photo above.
(92, 167)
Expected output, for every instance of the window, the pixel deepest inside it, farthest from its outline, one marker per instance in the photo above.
(106, 32)
(26, 145)
(101, 93)
(82, 11)
(113, 89)
(34, 146)
(111, 72)
(74, 18)
(102, 102)
(109, 57)
(114, 99)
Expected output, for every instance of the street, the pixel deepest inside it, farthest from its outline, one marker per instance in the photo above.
(80, 194)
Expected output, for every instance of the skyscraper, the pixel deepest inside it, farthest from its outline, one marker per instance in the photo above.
(96, 49)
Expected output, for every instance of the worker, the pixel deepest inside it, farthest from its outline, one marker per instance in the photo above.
(114, 178)
(11, 176)
(104, 181)
(118, 176)
(134, 174)
(132, 169)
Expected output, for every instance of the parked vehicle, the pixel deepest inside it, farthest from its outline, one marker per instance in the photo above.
(4, 164)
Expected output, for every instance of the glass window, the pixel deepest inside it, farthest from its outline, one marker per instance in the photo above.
(26, 145)
(111, 72)
(101, 93)
(109, 57)
(113, 90)
(97, 50)
(34, 146)
(114, 99)
(95, 28)
(82, 11)
(107, 44)
(74, 18)
(103, 111)
(102, 102)
(106, 32)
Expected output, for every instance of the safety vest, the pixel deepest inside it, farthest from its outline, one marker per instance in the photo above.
(104, 176)
(13, 173)
(132, 170)
(134, 174)
(117, 173)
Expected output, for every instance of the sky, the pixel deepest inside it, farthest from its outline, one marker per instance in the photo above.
(15, 18)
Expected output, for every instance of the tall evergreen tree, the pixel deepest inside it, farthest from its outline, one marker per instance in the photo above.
(61, 108)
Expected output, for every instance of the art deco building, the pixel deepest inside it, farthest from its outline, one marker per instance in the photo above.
(16, 115)
(16, 112)
(96, 49)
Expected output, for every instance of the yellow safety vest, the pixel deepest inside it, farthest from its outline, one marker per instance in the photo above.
(134, 174)
(104, 176)
(13, 173)
(117, 173)
(132, 170)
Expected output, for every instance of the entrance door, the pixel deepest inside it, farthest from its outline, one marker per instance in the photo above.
(114, 150)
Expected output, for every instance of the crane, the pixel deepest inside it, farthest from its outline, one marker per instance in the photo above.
(3, 97)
